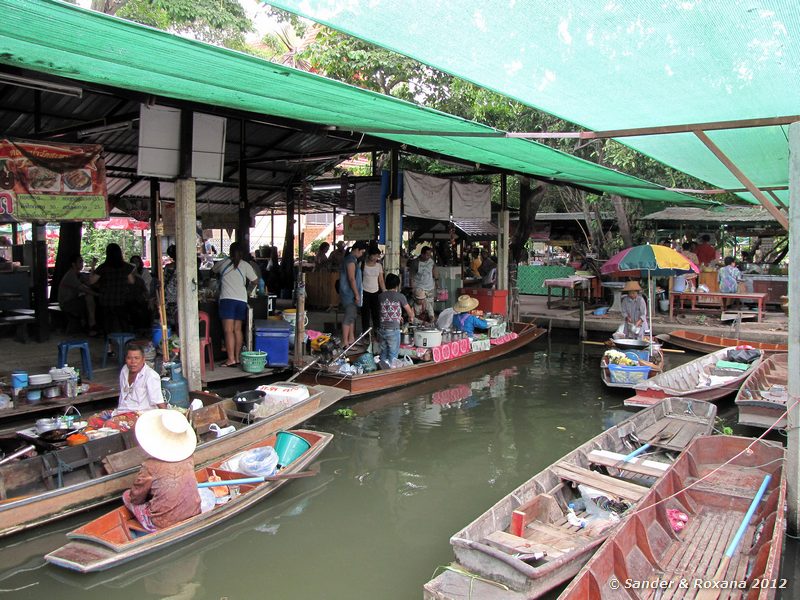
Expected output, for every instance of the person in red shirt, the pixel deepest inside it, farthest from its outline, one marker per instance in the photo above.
(706, 253)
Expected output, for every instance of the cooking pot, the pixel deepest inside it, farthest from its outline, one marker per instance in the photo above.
(407, 339)
(52, 392)
(245, 401)
(45, 425)
(427, 338)
(447, 336)
(630, 344)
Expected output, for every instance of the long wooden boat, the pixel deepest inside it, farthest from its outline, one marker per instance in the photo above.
(57, 484)
(383, 380)
(647, 550)
(116, 537)
(762, 398)
(524, 545)
(702, 342)
(698, 379)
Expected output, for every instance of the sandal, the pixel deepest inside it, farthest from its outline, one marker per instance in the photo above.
(231, 365)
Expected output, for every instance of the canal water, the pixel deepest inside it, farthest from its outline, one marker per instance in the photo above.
(410, 469)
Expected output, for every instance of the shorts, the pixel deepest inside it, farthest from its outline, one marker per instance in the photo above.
(350, 313)
(235, 310)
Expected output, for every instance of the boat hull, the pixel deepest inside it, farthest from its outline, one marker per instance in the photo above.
(479, 549)
(30, 511)
(384, 380)
(93, 549)
(700, 342)
(715, 496)
(754, 409)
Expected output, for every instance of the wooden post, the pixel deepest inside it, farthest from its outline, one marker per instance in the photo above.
(300, 324)
(394, 233)
(243, 230)
(186, 247)
(503, 242)
(40, 281)
(793, 460)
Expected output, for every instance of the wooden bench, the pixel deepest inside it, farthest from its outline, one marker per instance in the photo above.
(640, 466)
(21, 323)
(615, 488)
(718, 298)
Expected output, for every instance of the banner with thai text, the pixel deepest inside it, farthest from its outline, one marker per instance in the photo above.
(51, 182)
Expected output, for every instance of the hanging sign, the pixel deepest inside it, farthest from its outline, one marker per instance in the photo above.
(51, 182)
(359, 227)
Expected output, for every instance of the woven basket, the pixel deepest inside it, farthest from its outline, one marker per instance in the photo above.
(253, 362)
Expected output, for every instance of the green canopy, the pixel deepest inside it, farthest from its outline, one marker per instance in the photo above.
(610, 65)
(61, 39)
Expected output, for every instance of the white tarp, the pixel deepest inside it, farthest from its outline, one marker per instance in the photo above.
(426, 197)
(472, 201)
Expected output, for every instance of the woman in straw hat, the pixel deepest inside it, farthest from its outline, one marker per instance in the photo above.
(634, 313)
(463, 319)
(165, 490)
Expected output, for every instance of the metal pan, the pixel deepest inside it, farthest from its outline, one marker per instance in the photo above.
(629, 344)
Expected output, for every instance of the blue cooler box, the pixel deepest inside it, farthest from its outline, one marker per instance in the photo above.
(272, 337)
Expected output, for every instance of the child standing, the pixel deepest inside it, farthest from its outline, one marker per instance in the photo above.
(392, 305)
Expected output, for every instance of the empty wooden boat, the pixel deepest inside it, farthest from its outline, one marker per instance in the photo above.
(762, 399)
(647, 558)
(701, 379)
(384, 380)
(525, 545)
(116, 537)
(60, 483)
(702, 342)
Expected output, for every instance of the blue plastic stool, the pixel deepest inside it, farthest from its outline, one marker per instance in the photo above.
(120, 339)
(86, 358)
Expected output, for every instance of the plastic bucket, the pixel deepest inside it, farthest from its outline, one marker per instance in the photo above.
(289, 447)
(19, 379)
(157, 334)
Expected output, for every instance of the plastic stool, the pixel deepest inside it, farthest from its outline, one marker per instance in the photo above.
(120, 339)
(86, 358)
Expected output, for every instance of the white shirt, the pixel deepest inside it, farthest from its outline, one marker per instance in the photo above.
(423, 278)
(233, 281)
(143, 394)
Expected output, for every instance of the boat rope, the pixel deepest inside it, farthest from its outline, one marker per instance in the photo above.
(726, 463)
(3, 591)
(62, 468)
(472, 577)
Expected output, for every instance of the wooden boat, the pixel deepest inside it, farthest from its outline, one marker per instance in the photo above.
(701, 342)
(525, 544)
(646, 549)
(698, 379)
(762, 398)
(116, 537)
(57, 484)
(383, 380)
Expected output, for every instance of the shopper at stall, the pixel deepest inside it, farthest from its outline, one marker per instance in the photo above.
(475, 262)
(114, 278)
(706, 253)
(139, 385)
(422, 307)
(634, 313)
(373, 284)
(729, 276)
(392, 306)
(138, 300)
(351, 290)
(336, 258)
(424, 273)
(75, 297)
(165, 490)
(237, 279)
(463, 319)
(321, 262)
(487, 270)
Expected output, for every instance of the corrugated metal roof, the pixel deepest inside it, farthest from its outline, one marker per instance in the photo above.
(721, 214)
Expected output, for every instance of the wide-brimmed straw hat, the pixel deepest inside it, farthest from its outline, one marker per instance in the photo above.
(632, 286)
(419, 293)
(166, 435)
(465, 303)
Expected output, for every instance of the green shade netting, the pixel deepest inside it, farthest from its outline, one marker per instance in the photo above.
(61, 39)
(613, 64)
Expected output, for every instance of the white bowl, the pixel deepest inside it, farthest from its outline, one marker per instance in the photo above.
(40, 379)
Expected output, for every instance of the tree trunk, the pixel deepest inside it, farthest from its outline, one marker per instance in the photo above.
(529, 202)
(69, 244)
(622, 220)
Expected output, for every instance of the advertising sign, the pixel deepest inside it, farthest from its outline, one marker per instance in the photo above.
(359, 227)
(51, 182)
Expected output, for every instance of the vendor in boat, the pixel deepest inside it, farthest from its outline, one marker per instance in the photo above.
(165, 490)
(463, 319)
(139, 385)
(423, 308)
(634, 313)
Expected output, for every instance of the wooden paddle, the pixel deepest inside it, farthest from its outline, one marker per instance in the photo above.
(248, 480)
(712, 594)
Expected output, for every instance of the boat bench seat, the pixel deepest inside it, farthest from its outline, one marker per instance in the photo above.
(611, 485)
(649, 468)
(513, 544)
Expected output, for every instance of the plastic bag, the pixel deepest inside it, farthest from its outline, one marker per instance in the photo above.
(442, 295)
(743, 356)
(259, 462)
(367, 362)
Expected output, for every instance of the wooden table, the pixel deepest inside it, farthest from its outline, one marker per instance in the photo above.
(24, 410)
(579, 284)
(719, 298)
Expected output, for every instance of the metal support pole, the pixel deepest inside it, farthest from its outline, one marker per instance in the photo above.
(40, 281)
(243, 231)
(394, 233)
(504, 225)
(793, 446)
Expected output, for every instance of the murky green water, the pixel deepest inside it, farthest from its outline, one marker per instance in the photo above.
(413, 467)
